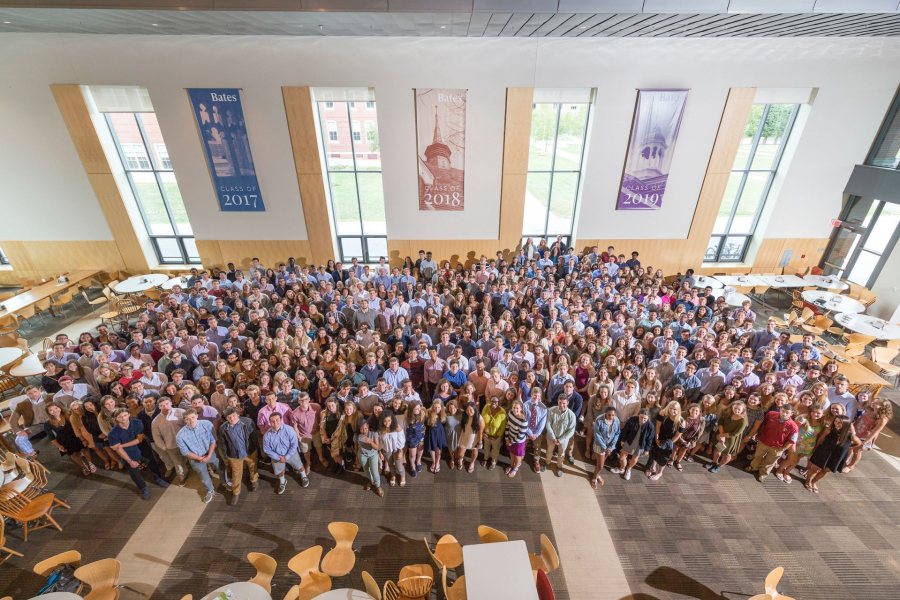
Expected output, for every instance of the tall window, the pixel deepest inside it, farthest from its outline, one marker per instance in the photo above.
(860, 245)
(555, 158)
(886, 149)
(3, 259)
(353, 162)
(149, 171)
(751, 179)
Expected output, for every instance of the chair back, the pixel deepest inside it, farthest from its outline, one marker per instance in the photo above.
(314, 584)
(265, 567)
(489, 535)
(417, 570)
(46, 566)
(457, 591)
(390, 591)
(416, 587)
(305, 562)
(101, 575)
(544, 587)
(448, 550)
(371, 585)
(343, 532)
(549, 554)
(884, 355)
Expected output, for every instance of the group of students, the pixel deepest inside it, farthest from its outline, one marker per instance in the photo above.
(389, 373)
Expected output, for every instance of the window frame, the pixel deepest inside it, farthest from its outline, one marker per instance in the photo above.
(550, 237)
(156, 170)
(863, 230)
(4, 260)
(893, 114)
(746, 171)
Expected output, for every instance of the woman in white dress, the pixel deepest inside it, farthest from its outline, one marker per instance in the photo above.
(470, 434)
(393, 441)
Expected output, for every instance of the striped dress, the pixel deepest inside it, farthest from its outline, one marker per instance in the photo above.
(515, 429)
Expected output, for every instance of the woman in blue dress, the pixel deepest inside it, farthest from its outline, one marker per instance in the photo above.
(435, 435)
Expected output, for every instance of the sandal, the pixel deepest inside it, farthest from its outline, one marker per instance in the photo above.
(403, 482)
(393, 481)
(815, 488)
(92, 467)
(678, 466)
(594, 483)
(437, 469)
(85, 471)
(471, 468)
(512, 472)
(379, 492)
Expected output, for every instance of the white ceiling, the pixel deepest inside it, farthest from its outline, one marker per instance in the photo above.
(459, 18)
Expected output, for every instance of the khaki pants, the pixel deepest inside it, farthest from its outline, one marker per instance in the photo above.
(764, 459)
(236, 467)
(492, 447)
(551, 448)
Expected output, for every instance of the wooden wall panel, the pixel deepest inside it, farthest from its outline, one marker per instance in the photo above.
(516, 143)
(73, 108)
(298, 107)
(465, 251)
(38, 259)
(217, 253)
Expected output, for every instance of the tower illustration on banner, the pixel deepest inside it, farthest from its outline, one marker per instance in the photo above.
(441, 146)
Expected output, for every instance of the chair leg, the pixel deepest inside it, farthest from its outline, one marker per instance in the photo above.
(59, 502)
(53, 521)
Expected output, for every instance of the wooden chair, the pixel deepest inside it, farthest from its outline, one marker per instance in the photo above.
(457, 591)
(61, 301)
(39, 479)
(857, 338)
(32, 515)
(447, 552)
(41, 307)
(96, 302)
(48, 565)
(819, 325)
(371, 585)
(417, 570)
(6, 553)
(103, 578)
(8, 384)
(489, 535)
(884, 354)
(265, 567)
(306, 562)
(314, 584)
(340, 560)
(391, 591)
(127, 307)
(293, 593)
(113, 313)
(416, 587)
(187, 597)
(548, 560)
(771, 584)
(893, 343)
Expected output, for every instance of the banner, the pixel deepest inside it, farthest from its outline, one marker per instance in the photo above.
(654, 132)
(223, 132)
(441, 147)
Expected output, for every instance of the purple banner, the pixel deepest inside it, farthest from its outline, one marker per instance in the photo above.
(653, 136)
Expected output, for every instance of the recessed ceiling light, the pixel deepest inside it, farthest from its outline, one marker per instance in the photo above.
(7, 22)
(155, 24)
(584, 26)
(443, 27)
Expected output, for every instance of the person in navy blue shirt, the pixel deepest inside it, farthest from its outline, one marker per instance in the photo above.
(127, 439)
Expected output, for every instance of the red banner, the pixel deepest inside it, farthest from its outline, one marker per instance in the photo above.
(441, 148)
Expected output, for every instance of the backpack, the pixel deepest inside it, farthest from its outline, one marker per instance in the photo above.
(62, 579)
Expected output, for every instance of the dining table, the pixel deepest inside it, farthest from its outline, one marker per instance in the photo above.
(140, 283)
(499, 570)
(867, 325)
(13, 305)
(704, 281)
(831, 302)
(58, 596)
(240, 590)
(782, 281)
(825, 281)
(736, 299)
(30, 366)
(10, 355)
(344, 594)
(740, 280)
(168, 285)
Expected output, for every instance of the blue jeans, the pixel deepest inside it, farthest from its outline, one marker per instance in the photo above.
(294, 461)
(369, 461)
(203, 472)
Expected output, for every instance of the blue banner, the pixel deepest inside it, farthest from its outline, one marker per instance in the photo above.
(223, 132)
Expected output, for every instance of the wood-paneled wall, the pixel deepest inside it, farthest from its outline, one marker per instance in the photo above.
(301, 120)
(516, 144)
(218, 253)
(70, 100)
(464, 251)
(37, 260)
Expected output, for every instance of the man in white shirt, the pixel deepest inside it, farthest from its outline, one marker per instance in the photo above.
(626, 402)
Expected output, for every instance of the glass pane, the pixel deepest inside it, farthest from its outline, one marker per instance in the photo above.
(570, 140)
(169, 250)
(537, 195)
(712, 248)
(733, 249)
(150, 199)
(750, 202)
(371, 196)
(731, 190)
(880, 235)
(127, 133)
(743, 153)
(377, 248)
(176, 203)
(863, 267)
(155, 141)
(368, 149)
(772, 136)
(336, 131)
(543, 131)
(845, 242)
(861, 210)
(562, 203)
(887, 152)
(191, 246)
(351, 248)
(346, 206)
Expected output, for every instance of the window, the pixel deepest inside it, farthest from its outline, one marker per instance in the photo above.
(886, 149)
(370, 105)
(555, 158)
(351, 105)
(3, 259)
(755, 165)
(860, 245)
(329, 105)
(154, 186)
(355, 188)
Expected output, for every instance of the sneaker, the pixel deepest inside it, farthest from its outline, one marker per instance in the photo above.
(787, 479)
(281, 487)
(543, 468)
(209, 497)
(689, 458)
(715, 468)
(627, 474)
(760, 477)
(492, 465)
(419, 468)
(233, 499)
(779, 476)
(161, 482)
(414, 473)
(181, 479)
(304, 482)
(571, 460)
(253, 485)
(656, 476)
(145, 494)
(558, 473)
(617, 471)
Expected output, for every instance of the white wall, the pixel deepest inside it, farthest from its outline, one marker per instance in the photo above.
(855, 77)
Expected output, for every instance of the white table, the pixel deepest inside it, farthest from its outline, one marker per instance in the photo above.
(740, 280)
(703, 281)
(782, 281)
(58, 596)
(240, 590)
(736, 299)
(500, 570)
(30, 366)
(168, 285)
(866, 325)
(9, 355)
(141, 283)
(833, 302)
(344, 594)
(826, 281)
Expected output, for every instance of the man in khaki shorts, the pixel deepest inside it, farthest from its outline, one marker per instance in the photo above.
(305, 420)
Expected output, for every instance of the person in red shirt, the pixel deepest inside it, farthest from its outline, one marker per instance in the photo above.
(778, 433)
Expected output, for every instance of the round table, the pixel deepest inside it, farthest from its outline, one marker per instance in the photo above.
(866, 325)
(58, 596)
(168, 285)
(344, 594)
(8, 355)
(825, 281)
(702, 282)
(241, 590)
(139, 284)
(29, 367)
(157, 278)
(833, 302)
(736, 299)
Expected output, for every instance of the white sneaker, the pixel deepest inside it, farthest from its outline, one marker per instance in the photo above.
(627, 474)
(617, 471)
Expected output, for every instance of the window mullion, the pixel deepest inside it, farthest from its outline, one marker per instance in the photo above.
(737, 201)
(552, 169)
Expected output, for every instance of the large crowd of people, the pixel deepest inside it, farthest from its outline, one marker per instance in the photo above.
(389, 371)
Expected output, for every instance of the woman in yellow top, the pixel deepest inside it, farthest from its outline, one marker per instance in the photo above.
(494, 417)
